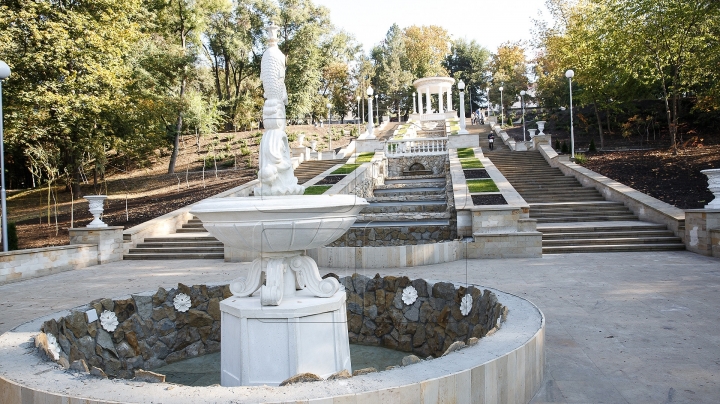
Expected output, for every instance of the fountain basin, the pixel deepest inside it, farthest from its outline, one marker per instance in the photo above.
(279, 223)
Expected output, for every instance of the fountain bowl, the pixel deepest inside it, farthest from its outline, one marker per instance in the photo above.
(278, 224)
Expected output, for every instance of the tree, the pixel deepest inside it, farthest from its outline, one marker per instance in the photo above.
(509, 70)
(393, 75)
(426, 48)
(469, 62)
(70, 77)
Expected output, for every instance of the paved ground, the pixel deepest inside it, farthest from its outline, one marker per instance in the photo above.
(621, 327)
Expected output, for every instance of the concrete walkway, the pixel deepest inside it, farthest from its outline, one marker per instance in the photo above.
(621, 327)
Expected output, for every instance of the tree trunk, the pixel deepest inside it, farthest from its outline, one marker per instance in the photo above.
(599, 123)
(178, 131)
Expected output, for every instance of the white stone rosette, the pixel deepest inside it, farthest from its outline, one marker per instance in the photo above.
(108, 321)
(466, 305)
(409, 295)
(53, 346)
(182, 302)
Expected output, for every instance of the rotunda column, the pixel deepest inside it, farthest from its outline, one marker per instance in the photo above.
(449, 99)
(440, 100)
(428, 109)
(419, 100)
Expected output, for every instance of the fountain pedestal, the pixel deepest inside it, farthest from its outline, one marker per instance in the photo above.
(269, 344)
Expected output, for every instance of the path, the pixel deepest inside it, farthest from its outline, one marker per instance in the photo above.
(621, 328)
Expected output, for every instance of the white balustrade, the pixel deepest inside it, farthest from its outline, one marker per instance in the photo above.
(415, 146)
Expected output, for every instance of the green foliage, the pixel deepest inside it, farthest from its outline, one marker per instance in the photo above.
(465, 152)
(291, 137)
(245, 151)
(557, 145)
(592, 148)
(580, 158)
(12, 236)
(347, 168)
(316, 189)
(564, 148)
(469, 163)
(485, 185)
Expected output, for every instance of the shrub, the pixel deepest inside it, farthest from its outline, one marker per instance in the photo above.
(557, 145)
(292, 137)
(564, 148)
(244, 151)
(592, 148)
(12, 236)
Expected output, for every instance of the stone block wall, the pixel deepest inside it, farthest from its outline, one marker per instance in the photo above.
(701, 229)
(24, 264)
(378, 316)
(434, 163)
(151, 331)
(108, 239)
(394, 236)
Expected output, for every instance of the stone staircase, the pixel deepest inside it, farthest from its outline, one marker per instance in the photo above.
(192, 241)
(406, 210)
(574, 218)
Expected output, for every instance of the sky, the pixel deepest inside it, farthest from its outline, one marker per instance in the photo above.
(490, 23)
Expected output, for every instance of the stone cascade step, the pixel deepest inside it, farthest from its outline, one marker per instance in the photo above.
(308, 170)
(573, 218)
(406, 207)
(178, 247)
(409, 192)
(382, 234)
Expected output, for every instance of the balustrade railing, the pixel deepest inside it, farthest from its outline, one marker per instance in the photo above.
(415, 146)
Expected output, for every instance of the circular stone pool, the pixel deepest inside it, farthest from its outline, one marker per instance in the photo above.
(506, 366)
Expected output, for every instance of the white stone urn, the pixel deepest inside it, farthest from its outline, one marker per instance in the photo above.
(714, 187)
(97, 203)
(532, 132)
(301, 139)
(313, 144)
(541, 127)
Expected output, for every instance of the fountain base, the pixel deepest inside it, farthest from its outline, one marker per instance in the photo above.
(265, 345)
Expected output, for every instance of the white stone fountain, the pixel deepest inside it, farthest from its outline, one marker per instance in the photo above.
(283, 318)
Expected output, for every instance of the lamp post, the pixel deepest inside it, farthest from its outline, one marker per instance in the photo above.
(4, 73)
(370, 125)
(487, 91)
(461, 89)
(377, 109)
(570, 74)
(329, 107)
(522, 103)
(502, 109)
(358, 112)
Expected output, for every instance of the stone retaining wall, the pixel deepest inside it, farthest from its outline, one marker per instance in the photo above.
(435, 163)
(30, 263)
(428, 326)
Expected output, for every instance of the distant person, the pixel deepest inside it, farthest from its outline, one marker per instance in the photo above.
(472, 119)
(491, 140)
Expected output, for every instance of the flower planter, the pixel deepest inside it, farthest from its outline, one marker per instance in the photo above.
(97, 203)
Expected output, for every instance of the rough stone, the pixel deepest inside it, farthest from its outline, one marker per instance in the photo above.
(413, 314)
(364, 371)
(214, 308)
(77, 323)
(343, 374)
(144, 306)
(80, 366)
(454, 347)
(444, 290)
(148, 376)
(301, 378)
(472, 341)
(410, 360)
(97, 372)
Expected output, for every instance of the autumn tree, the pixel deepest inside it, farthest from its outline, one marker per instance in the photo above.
(509, 69)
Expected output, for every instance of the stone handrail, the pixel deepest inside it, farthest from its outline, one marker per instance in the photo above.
(416, 146)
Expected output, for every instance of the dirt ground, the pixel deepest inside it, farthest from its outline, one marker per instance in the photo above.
(136, 195)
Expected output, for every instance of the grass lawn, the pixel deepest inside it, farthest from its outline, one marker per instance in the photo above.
(364, 157)
(465, 152)
(316, 189)
(482, 186)
(471, 163)
(347, 168)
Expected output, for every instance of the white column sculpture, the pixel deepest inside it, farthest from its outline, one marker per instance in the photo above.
(414, 104)
(449, 99)
(419, 99)
(428, 107)
(461, 88)
(371, 120)
(440, 100)
(276, 173)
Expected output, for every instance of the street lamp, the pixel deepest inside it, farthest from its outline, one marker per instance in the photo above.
(487, 91)
(4, 73)
(370, 125)
(377, 109)
(329, 107)
(522, 103)
(570, 74)
(461, 88)
(502, 110)
(358, 112)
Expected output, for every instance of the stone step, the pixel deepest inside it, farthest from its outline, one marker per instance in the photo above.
(611, 241)
(607, 234)
(184, 239)
(415, 181)
(612, 248)
(415, 206)
(419, 184)
(407, 223)
(410, 191)
(174, 256)
(181, 244)
(406, 198)
(193, 226)
(413, 234)
(176, 250)
(402, 216)
(598, 228)
(548, 214)
(192, 230)
(598, 218)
